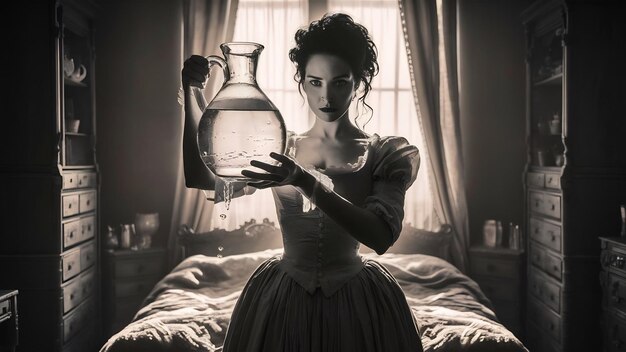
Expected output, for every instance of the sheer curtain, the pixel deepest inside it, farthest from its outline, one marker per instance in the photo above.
(391, 97)
(272, 23)
(206, 24)
(430, 32)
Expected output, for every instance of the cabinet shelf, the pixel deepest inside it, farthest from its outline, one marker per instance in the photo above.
(70, 82)
(77, 134)
(550, 81)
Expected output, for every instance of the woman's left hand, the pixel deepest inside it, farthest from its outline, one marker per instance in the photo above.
(287, 172)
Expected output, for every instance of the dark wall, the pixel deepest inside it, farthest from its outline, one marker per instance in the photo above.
(138, 63)
(492, 79)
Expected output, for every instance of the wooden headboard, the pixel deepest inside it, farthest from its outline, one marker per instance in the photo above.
(255, 236)
(252, 236)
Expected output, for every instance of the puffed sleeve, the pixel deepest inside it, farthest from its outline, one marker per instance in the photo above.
(395, 167)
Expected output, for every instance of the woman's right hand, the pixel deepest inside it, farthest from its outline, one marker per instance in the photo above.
(195, 72)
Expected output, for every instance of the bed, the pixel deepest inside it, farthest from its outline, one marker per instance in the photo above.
(190, 308)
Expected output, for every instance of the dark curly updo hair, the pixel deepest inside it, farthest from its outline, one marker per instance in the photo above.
(337, 34)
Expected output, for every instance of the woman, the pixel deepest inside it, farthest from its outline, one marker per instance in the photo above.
(320, 294)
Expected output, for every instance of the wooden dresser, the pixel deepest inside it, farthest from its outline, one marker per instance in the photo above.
(500, 274)
(9, 329)
(49, 175)
(613, 281)
(128, 278)
(575, 176)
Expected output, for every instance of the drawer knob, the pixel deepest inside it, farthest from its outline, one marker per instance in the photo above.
(69, 267)
(553, 238)
(71, 297)
(89, 202)
(553, 207)
(551, 326)
(72, 234)
(69, 206)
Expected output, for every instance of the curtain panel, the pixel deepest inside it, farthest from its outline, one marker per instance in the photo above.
(206, 25)
(430, 35)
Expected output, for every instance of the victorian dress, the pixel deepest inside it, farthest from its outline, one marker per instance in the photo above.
(320, 294)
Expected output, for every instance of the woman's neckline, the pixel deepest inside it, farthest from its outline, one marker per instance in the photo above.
(335, 171)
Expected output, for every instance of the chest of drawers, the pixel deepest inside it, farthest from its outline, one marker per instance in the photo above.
(613, 282)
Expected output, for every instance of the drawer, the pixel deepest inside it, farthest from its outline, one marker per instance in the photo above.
(5, 309)
(550, 264)
(545, 204)
(140, 266)
(546, 233)
(553, 265)
(616, 294)
(87, 228)
(88, 283)
(70, 205)
(87, 180)
(72, 233)
(499, 289)
(546, 291)
(537, 340)
(547, 321)
(553, 181)
(70, 180)
(494, 267)
(77, 319)
(87, 201)
(72, 295)
(135, 287)
(87, 255)
(71, 264)
(536, 179)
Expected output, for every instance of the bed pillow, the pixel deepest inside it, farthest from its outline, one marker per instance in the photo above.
(418, 241)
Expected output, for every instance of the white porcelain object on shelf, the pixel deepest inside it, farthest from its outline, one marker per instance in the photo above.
(68, 66)
(79, 73)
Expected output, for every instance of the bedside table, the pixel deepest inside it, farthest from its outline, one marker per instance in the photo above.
(8, 320)
(128, 278)
(500, 274)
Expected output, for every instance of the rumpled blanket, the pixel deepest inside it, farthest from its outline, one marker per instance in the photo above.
(189, 309)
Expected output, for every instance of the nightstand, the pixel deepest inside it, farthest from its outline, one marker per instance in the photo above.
(128, 278)
(8, 320)
(500, 274)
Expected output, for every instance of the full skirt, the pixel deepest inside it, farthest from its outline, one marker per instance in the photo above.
(369, 313)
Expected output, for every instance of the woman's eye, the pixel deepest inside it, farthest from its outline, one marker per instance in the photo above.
(341, 83)
(315, 83)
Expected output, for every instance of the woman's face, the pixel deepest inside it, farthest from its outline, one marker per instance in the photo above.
(329, 86)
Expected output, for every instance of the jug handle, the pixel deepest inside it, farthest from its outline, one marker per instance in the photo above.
(213, 60)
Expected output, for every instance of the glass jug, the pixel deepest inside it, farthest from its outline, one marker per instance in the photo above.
(240, 123)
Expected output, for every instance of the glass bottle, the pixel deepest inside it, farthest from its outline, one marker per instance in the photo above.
(240, 123)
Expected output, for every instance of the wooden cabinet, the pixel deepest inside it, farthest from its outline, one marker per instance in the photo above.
(613, 281)
(50, 179)
(9, 329)
(575, 175)
(129, 276)
(500, 274)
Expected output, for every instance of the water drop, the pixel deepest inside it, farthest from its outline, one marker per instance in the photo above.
(222, 216)
(220, 248)
(219, 256)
